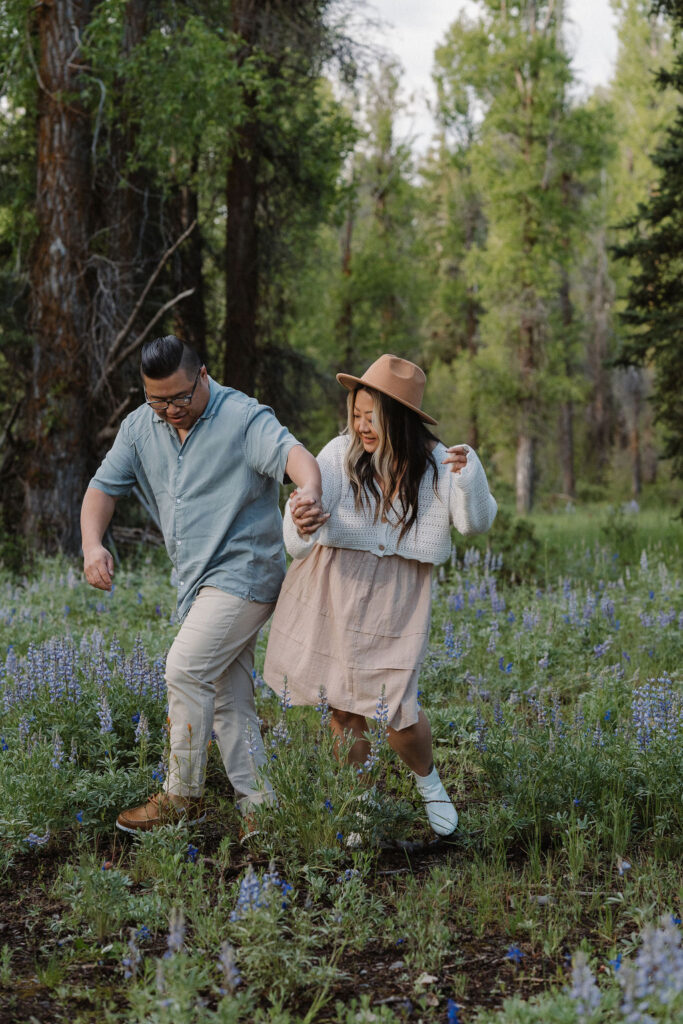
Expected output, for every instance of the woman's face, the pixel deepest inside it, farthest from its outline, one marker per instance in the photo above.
(362, 420)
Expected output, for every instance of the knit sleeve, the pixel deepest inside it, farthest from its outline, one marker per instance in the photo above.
(472, 506)
(330, 461)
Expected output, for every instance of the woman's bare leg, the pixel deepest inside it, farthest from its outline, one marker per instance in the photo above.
(345, 723)
(414, 745)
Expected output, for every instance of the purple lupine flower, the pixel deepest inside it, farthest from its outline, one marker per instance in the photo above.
(657, 973)
(285, 702)
(323, 707)
(33, 839)
(131, 961)
(57, 751)
(231, 975)
(104, 714)
(251, 894)
(602, 648)
(584, 990)
(142, 729)
(481, 729)
(175, 940)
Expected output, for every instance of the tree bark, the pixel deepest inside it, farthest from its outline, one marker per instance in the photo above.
(189, 316)
(56, 464)
(241, 239)
(524, 472)
(524, 464)
(600, 411)
(567, 448)
(241, 265)
(634, 448)
(567, 407)
(344, 324)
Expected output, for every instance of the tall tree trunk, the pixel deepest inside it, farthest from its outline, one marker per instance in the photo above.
(56, 469)
(567, 448)
(634, 447)
(126, 222)
(189, 316)
(567, 407)
(344, 324)
(524, 470)
(525, 459)
(471, 341)
(600, 411)
(241, 239)
(241, 266)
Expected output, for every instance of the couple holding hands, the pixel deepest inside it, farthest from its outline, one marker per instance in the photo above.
(367, 521)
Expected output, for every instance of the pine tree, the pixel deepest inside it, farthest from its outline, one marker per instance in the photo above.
(654, 313)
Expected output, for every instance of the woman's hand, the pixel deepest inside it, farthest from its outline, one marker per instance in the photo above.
(307, 512)
(457, 457)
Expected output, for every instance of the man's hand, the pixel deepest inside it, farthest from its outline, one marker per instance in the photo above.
(98, 566)
(457, 457)
(307, 512)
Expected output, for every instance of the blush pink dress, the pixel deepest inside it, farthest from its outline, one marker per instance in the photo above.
(356, 625)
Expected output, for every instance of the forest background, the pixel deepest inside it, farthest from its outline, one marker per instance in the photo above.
(231, 172)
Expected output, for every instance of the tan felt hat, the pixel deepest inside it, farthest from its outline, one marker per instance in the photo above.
(397, 378)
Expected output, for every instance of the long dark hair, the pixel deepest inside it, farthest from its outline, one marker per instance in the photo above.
(401, 459)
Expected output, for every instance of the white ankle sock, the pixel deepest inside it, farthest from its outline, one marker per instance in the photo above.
(442, 815)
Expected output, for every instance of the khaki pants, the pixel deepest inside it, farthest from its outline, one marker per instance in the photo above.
(210, 686)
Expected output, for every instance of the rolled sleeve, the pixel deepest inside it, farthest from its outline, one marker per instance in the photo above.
(266, 442)
(117, 474)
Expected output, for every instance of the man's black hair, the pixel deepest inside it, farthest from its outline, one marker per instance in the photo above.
(163, 356)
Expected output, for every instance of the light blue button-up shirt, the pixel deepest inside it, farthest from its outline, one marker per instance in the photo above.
(216, 494)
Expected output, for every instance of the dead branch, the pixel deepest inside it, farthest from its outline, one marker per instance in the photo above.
(127, 327)
(7, 434)
(111, 426)
(137, 535)
(141, 337)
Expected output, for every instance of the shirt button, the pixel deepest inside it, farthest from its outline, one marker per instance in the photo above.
(182, 583)
(381, 547)
(177, 501)
(179, 542)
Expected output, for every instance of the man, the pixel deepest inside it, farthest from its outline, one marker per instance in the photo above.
(209, 459)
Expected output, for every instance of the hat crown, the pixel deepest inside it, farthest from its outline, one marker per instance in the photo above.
(397, 377)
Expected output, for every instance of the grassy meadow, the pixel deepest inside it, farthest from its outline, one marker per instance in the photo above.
(554, 692)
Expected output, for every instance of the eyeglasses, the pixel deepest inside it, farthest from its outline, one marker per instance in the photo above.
(160, 404)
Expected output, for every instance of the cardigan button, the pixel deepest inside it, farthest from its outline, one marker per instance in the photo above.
(384, 519)
(381, 547)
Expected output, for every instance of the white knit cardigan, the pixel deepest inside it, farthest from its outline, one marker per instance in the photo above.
(463, 499)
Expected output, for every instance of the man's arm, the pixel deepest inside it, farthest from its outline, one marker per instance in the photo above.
(96, 512)
(304, 470)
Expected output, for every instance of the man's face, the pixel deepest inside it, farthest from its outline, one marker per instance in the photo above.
(179, 386)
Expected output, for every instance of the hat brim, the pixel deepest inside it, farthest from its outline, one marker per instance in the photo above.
(349, 382)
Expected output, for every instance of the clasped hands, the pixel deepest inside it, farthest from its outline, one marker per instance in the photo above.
(307, 511)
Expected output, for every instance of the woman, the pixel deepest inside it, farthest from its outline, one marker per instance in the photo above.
(353, 614)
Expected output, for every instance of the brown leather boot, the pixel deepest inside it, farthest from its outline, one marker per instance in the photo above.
(162, 809)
